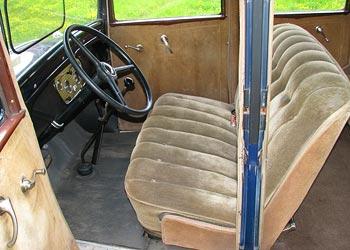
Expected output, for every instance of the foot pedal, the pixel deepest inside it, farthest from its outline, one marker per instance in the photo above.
(291, 226)
(85, 169)
(46, 155)
(47, 160)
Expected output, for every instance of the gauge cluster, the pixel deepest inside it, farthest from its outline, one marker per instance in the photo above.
(68, 84)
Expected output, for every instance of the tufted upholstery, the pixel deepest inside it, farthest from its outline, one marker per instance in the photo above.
(307, 88)
(185, 142)
(184, 162)
(308, 108)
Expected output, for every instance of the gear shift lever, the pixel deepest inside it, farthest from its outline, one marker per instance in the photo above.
(129, 85)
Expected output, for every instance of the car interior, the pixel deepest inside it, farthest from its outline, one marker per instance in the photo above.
(134, 124)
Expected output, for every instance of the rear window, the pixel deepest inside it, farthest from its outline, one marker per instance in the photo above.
(150, 9)
(309, 5)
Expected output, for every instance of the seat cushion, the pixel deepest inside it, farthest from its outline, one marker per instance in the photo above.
(184, 163)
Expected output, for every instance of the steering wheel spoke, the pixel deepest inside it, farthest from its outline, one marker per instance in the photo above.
(107, 76)
(124, 70)
(118, 94)
(87, 52)
(113, 86)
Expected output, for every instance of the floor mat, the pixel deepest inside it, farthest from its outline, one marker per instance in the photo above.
(96, 207)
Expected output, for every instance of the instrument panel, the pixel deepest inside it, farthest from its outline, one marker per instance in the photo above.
(68, 84)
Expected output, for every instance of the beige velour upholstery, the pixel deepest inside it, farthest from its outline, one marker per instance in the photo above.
(184, 162)
(185, 142)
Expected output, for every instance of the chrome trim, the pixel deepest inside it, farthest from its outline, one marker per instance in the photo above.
(6, 207)
(28, 184)
(108, 69)
(57, 125)
(165, 40)
(138, 48)
(319, 30)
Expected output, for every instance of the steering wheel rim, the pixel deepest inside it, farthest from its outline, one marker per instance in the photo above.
(105, 72)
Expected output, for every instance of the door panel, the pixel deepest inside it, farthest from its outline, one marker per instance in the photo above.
(336, 28)
(41, 224)
(200, 62)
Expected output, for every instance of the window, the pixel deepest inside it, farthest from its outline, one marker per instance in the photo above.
(308, 5)
(2, 113)
(29, 21)
(11, 113)
(80, 11)
(150, 9)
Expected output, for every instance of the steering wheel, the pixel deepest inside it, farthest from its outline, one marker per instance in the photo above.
(106, 74)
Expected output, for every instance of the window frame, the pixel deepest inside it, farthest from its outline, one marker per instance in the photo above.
(8, 95)
(167, 20)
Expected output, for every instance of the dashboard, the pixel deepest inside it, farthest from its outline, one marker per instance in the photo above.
(52, 88)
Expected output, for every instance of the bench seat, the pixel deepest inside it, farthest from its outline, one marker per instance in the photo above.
(185, 142)
(185, 159)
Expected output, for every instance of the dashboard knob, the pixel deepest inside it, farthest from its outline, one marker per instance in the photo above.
(129, 84)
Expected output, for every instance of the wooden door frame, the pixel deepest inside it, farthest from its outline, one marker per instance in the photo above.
(13, 108)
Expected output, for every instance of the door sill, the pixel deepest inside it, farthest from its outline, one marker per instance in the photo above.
(86, 245)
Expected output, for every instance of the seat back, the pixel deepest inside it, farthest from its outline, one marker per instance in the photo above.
(309, 106)
(183, 179)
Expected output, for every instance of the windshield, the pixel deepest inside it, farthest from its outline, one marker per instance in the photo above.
(26, 25)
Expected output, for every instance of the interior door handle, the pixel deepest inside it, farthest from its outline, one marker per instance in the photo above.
(138, 48)
(320, 30)
(27, 184)
(165, 40)
(6, 207)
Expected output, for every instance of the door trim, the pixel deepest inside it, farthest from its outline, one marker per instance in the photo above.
(12, 106)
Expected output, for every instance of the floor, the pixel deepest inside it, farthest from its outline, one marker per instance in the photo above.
(323, 220)
(86, 245)
(98, 211)
(96, 207)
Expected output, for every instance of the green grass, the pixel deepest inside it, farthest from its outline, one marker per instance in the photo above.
(29, 17)
(145, 9)
(308, 5)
